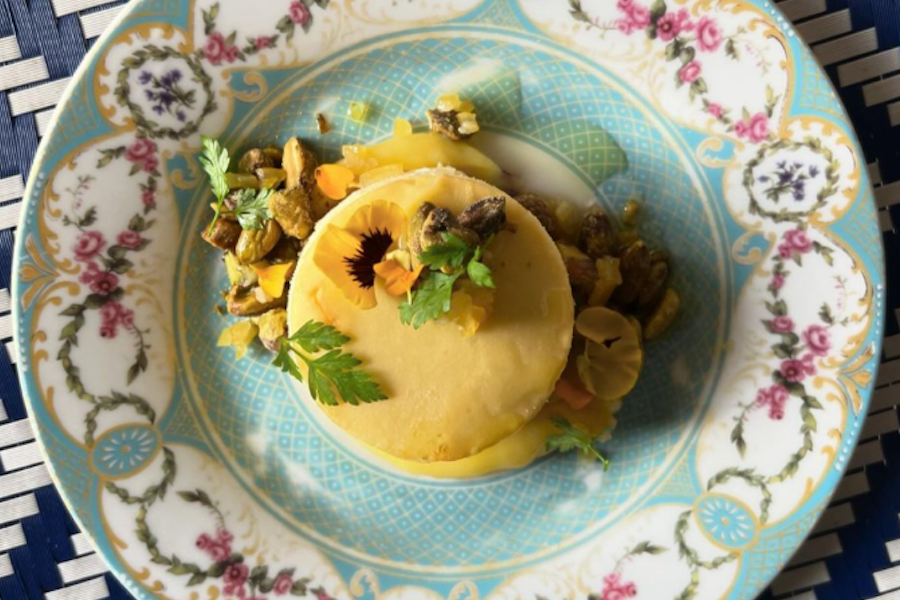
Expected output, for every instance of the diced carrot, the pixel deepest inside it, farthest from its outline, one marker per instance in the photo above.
(573, 392)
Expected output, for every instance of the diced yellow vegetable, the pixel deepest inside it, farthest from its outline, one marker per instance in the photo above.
(402, 127)
(663, 316)
(239, 336)
(358, 111)
(608, 279)
(448, 102)
(470, 307)
(379, 173)
(425, 150)
(273, 277)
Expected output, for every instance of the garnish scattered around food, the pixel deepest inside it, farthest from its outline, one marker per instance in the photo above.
(571, 438)
(215, 162)
(331, 375)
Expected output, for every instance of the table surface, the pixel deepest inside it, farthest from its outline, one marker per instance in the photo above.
(854, 552)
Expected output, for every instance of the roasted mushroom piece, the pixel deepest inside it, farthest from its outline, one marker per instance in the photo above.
(635, 267)
(253, 244)
(223, 234)
(598, 236)
(485, 217)
(541, 209)
(291, 208)
(254, 159)
(299, 164)
(249, 302)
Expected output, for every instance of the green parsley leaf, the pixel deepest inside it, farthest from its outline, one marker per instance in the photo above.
(252, 208)
(574, 438)
(430, 300)
(215, 161)
(332, 375)
(480, 274)
(453, 253)
(315, 336)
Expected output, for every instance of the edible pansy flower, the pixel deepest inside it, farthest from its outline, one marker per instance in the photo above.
(348, 254)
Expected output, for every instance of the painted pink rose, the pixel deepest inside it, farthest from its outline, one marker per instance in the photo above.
(782, 324)
(126, 318)
(775, 399)
(130, 239)
(817, 339)
(218, 551)
(110, 314)
(150, 164)
(203, 541)
(107, 332)
(796, 370)
(224, 536)
(217, 49)
(615, 589)
(709, 36)
(262, 41)
(715, 109)
(148, 197)
(759, 128)
(809, 363)
(690, 72)
(797, 240)
(671, 24)
(282, 585)
(785, 251)
(299, 13)
(322, 594)
(236, 574)
(640, 16)
(140, 150)
(104, 283)
(90, 274)
(88, 245)
(741, 129)
(777, 282)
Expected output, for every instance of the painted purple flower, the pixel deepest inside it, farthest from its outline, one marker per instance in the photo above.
(145, 77)
(817, 339)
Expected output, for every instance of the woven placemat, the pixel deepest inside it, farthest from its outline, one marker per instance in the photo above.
(855, 550)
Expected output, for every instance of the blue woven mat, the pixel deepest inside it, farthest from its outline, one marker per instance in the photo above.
(855, 550)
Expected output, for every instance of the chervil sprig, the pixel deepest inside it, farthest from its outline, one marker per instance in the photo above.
(252, 208)
(215, 161)
(331, 375)
(574, 438)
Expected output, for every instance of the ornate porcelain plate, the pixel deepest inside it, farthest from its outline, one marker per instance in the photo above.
(200, 477)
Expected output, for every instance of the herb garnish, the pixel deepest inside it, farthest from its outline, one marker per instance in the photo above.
(331, 375)
(574, 438)
(251, 209)
(447, 262)
(215, 161)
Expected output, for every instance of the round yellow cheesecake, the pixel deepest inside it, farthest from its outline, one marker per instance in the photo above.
(450, 396)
